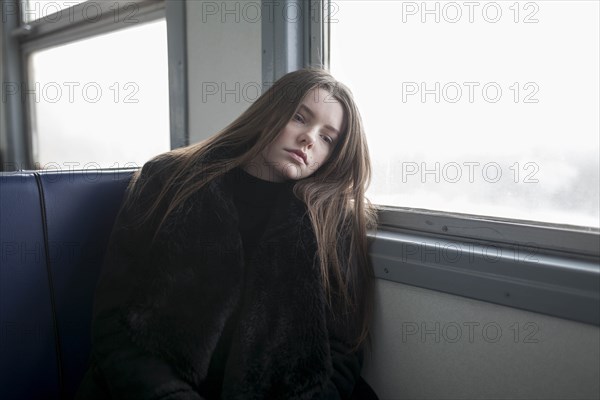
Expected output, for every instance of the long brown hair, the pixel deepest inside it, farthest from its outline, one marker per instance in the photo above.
(334, 194)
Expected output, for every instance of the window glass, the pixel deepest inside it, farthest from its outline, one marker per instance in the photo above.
(487, 108)
(102, 101)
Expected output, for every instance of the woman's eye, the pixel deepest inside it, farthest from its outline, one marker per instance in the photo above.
(298, 118)
(328, 139)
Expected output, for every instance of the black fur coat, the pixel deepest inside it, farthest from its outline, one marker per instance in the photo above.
(160, 308)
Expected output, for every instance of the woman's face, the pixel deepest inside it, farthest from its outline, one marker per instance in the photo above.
(305, 143)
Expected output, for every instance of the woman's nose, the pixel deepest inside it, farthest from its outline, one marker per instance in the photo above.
(308, 137)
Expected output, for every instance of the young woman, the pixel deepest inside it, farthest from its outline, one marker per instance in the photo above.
(238, 267)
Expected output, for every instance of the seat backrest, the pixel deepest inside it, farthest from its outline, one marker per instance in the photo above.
(54, 228)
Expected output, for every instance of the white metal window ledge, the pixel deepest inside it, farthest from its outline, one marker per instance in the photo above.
(548, 269)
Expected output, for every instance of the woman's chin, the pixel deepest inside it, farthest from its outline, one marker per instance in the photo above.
(292, 172)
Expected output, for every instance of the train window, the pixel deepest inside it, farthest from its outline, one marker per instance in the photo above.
(482, 108)
(116, 85)
(92, 84)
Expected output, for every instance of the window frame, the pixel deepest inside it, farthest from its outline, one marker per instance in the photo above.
(288, 45)
(21, 39)
(559, 276)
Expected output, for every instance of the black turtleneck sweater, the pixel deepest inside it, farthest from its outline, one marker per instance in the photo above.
(254, 200)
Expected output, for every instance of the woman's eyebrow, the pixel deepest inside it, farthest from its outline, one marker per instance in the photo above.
(312, 114)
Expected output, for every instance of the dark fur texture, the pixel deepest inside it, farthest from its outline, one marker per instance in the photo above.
(172, 299)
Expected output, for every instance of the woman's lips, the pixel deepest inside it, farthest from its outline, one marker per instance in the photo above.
(296, 156)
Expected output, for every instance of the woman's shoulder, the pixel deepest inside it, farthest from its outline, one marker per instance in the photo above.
(181, 162)
(159, 165)
(162, 170)
(180, 176)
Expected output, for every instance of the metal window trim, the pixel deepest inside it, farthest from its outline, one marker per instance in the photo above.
(568, 240)
(267, 48)
(280, 42)
(175, 14)
(552, 284)
(78, 16)
(317, 38)
(291, 45)
(40, 38)
(17, 153)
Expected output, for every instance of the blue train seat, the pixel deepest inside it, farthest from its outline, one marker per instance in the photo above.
(54, 229)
